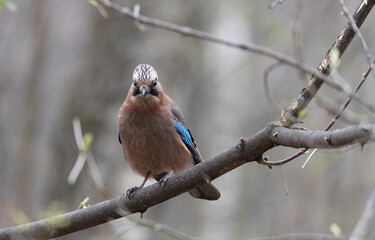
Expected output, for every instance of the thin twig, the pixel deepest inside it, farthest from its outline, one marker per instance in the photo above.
(343, 107)
(270, 99)
(291, 115)
(347, 102)
(94, 170)
(160, 227)
(82, 152)
(285, 160)
(333, 108)
(298, 104)
(187, 31)
(275, 3)
(365, 224)
(347, 92)
(300, 236)
(296, 33)
(284, 178)
(308, 158)
(370, 59)
(299, 56)
(191, 32)
(330, 124)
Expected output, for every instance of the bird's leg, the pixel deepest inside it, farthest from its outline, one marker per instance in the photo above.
(164, 179)
(132, 190)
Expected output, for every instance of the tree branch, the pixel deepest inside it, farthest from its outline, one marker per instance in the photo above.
(275, 3)
(191, 32)
(297, 138)
(330, 124)
(301, 236)
(370, 59)
(319, 76)
(249, 149)
(366, 223)
(290, 116)
(160, 227)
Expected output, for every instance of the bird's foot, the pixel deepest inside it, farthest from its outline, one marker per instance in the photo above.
(131, 191)
(164, 179)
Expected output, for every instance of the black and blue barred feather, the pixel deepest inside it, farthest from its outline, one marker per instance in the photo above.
(184, 133)
(188, 140)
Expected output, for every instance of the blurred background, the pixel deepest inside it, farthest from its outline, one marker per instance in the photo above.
(62, 59)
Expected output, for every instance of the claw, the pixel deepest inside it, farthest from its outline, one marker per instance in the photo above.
(131, 191)
(164, 179)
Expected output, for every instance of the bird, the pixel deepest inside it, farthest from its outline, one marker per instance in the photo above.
(154, 135)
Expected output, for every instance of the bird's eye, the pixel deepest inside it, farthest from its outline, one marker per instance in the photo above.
(135, 84)
(155, 81)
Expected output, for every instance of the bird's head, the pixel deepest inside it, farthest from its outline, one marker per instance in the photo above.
(145, 87)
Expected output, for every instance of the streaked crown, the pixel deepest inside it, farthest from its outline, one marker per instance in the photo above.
(145, 74)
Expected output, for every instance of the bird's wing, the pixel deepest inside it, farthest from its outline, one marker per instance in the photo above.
(184, 132)
(188, 140)
(177, 112)
(205, 191)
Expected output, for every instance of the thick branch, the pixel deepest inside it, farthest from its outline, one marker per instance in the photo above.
(297, 138)
(290, 116)
(249, 149)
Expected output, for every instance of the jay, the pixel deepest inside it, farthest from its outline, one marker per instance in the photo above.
(154, 136)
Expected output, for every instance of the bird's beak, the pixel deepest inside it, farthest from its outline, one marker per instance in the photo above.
(144, 90)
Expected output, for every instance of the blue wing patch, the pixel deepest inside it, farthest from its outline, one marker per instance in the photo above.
(184, 133)
(188, 140)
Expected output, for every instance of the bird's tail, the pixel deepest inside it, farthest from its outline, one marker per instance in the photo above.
(206, 191)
